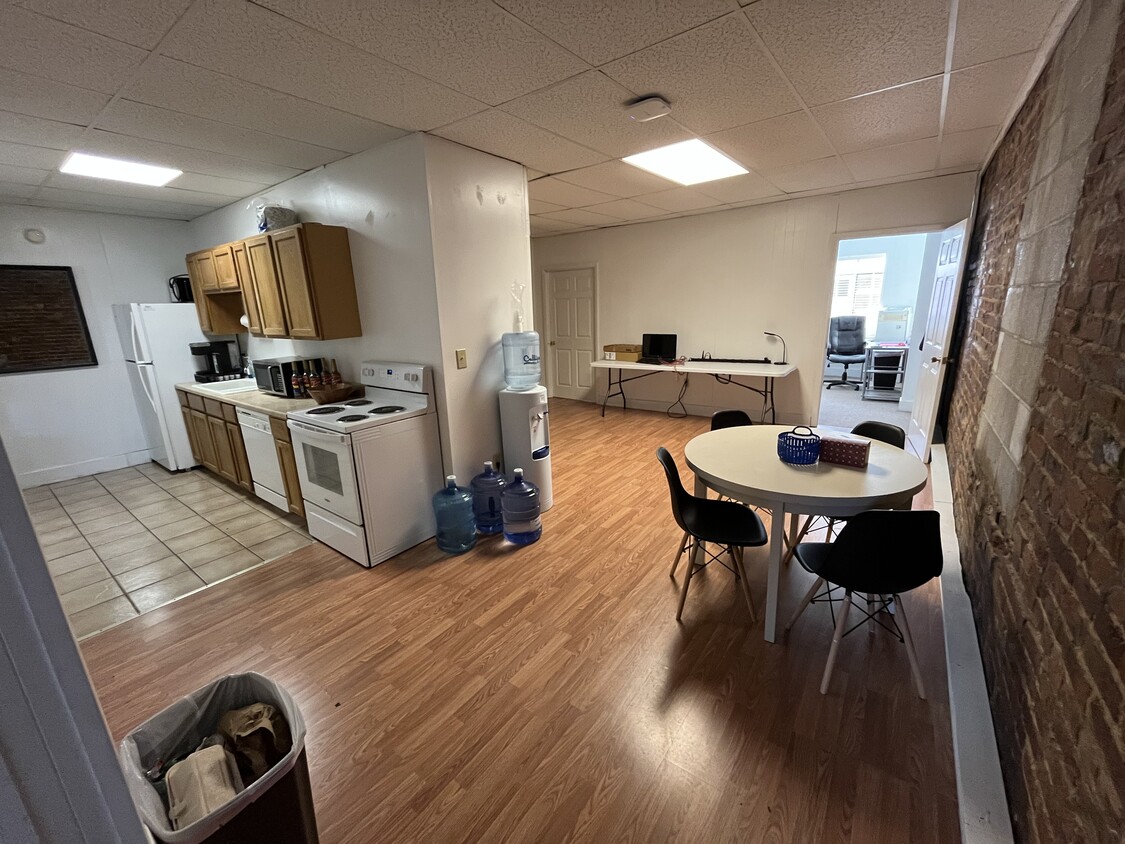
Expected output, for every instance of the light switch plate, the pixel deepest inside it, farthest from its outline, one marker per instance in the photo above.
(462, 359)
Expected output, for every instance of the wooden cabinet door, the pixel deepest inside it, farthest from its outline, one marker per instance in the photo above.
(270, 307)
(296, 288)
(292, 483)
(196, 455)
(225, 272)
(203, 440)
(224, 454)
(205, 268)
(241, 464)
(201, 309)
(246, 285)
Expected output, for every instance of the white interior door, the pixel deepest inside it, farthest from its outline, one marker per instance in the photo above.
(571, 317)
(934, 356)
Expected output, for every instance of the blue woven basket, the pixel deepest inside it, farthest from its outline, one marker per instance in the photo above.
(798, 448)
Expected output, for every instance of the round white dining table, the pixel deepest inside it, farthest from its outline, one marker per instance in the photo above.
(742, 463)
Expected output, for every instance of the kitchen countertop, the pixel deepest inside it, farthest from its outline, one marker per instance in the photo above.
(271, 405)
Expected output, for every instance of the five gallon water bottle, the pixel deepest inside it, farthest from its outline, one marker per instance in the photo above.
(521, 349)
(453, 510)
(520, 504)
(486, 488)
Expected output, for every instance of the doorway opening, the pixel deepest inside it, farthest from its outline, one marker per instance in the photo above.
(880, 300)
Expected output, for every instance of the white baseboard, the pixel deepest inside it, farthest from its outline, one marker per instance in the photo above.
(54, 474)
(906, 405)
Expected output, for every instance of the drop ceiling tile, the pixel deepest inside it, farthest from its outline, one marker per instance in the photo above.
(127, 117)
(774, 142)
(254, 44)
(617, 178)
(743, 188)
(23, 155)
(103, 188)
(967, 149)
(22, 129)
(550, 189)
(988, 29)
(538, 206)
(581, 217)
(589, 109)
(37, 97)
(907, 113)
(12, 191)
(141, 23)
(532, 175)
(811, 175)
(38, 45)
(627, 209)
(679, 199)
(110, 202)
(217, 186)
(983, 95)
(897, 160)
(715, 76)
(599, 31)
(507, 136)
(833, 49)
(544, 224)
(11, 174)
(472, 46)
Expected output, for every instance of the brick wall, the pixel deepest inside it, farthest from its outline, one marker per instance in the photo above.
(1040, 490)
(41, 322)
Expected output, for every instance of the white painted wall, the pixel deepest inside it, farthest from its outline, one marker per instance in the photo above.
(719, 280)
(72, 422)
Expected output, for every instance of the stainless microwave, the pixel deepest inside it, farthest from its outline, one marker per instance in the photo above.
(275, 375)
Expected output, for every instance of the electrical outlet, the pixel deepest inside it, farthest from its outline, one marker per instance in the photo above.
(462, 359)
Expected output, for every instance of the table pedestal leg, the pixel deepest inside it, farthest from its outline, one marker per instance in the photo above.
(773, 584)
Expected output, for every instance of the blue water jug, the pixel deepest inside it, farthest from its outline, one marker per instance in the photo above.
(520, 505)
(486, 488)
(521, 359)
(453, 510)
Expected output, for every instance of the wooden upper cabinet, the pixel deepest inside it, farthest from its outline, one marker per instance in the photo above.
(271, 310)
(296, 286)
(226, 273)
(197, 295)
(246, 285)
(204, 270)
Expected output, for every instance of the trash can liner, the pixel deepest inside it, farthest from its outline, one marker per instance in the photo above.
(183, 726)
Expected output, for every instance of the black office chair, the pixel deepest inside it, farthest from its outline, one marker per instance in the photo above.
(884, 432)
(858, 562)
(846, 345)
(724, 523)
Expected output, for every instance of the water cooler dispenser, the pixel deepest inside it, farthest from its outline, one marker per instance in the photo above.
(527, 438)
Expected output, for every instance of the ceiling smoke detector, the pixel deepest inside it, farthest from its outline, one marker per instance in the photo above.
(647, 109)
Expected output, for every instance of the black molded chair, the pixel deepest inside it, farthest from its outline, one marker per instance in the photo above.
(846, 345)
(884, 432)
(858, 562)
(724, 523)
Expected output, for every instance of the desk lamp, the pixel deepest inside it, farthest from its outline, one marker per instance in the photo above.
(784, 349)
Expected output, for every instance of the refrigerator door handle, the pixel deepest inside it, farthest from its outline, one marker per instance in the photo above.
(143, 371)
(135, 335)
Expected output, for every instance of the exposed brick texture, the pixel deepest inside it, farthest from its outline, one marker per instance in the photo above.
(1047, 577)
(41, 322)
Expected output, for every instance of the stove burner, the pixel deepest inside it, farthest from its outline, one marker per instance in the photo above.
(351, 417)
(358, 402)
(327, 408)
(387, 408)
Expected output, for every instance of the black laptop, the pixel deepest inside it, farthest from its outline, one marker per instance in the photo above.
(658, 348)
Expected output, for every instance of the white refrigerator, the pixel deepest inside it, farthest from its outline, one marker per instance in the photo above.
(155, 339)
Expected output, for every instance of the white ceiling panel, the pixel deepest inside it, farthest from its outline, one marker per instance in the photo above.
(148, 211)
(833, 49)
(12, 174)
(38, 97)
(811, 175)
(473, 46)
(11, 190)
(961, 149)
(497, 132)
(219, 187)
(127, 117)
(988, 29)
(550, 189)
(715, 76)
(775, 142)
(599, 31)
(580, 217)
(627, 209)
(106, 201)
(897, 160)
(141, 23)
(251, 43)
(195, 90)
(907, 113)
(679, 199)
(122, 191)
(538, 206)
(23, 155)
(617, 178)
(738, 188)
(983, 95)
(38, 45)
(542, 224)
(589, 109)
(22, 129)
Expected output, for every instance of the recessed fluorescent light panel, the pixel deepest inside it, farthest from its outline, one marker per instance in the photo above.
(688, 162)
(119, 170)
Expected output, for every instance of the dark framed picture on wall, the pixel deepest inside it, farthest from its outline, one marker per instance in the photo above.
(42, 325)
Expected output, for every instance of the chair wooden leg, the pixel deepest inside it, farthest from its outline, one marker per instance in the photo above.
(792, 546)
(908, 640)
(841, 626)
(695, 545)
(831, 526)
(741, 565)
(805, 601)
(684, 543)
(870, 615)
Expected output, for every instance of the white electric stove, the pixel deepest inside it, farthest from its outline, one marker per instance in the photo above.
(369, 466)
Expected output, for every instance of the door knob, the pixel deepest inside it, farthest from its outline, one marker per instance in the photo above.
(940, 360)
(552, 343)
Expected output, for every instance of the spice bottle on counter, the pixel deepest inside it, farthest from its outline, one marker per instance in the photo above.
(314, 376)
(334, 374)
(296, 383)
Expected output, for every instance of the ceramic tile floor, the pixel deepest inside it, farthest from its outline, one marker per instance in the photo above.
(125, 542)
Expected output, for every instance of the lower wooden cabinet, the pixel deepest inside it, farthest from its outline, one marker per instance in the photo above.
(288, 463)
(216, 438)
(223, 452)
(241, 464)
(204, 441)
(196, 455)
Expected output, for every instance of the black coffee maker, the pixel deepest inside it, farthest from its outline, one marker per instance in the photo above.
(180, 288)
(219, 360)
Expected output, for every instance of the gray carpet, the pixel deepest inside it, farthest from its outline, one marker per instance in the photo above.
(843, 408)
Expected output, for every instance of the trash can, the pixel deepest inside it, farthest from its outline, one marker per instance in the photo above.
(276, 807)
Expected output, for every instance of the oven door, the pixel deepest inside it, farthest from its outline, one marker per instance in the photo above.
(326, 470)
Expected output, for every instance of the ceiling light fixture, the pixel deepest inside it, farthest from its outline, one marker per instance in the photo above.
(688, 162)
(117, 169)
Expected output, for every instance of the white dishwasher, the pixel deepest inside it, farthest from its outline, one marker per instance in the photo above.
(262, 456)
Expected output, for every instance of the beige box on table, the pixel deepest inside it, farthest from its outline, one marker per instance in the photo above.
(628, 352)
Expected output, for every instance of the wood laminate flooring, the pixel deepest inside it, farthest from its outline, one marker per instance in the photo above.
(546, 693)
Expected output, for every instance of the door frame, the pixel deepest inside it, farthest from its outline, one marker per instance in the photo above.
(547, 334)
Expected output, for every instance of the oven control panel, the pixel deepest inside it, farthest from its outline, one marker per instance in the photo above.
(408, 377)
